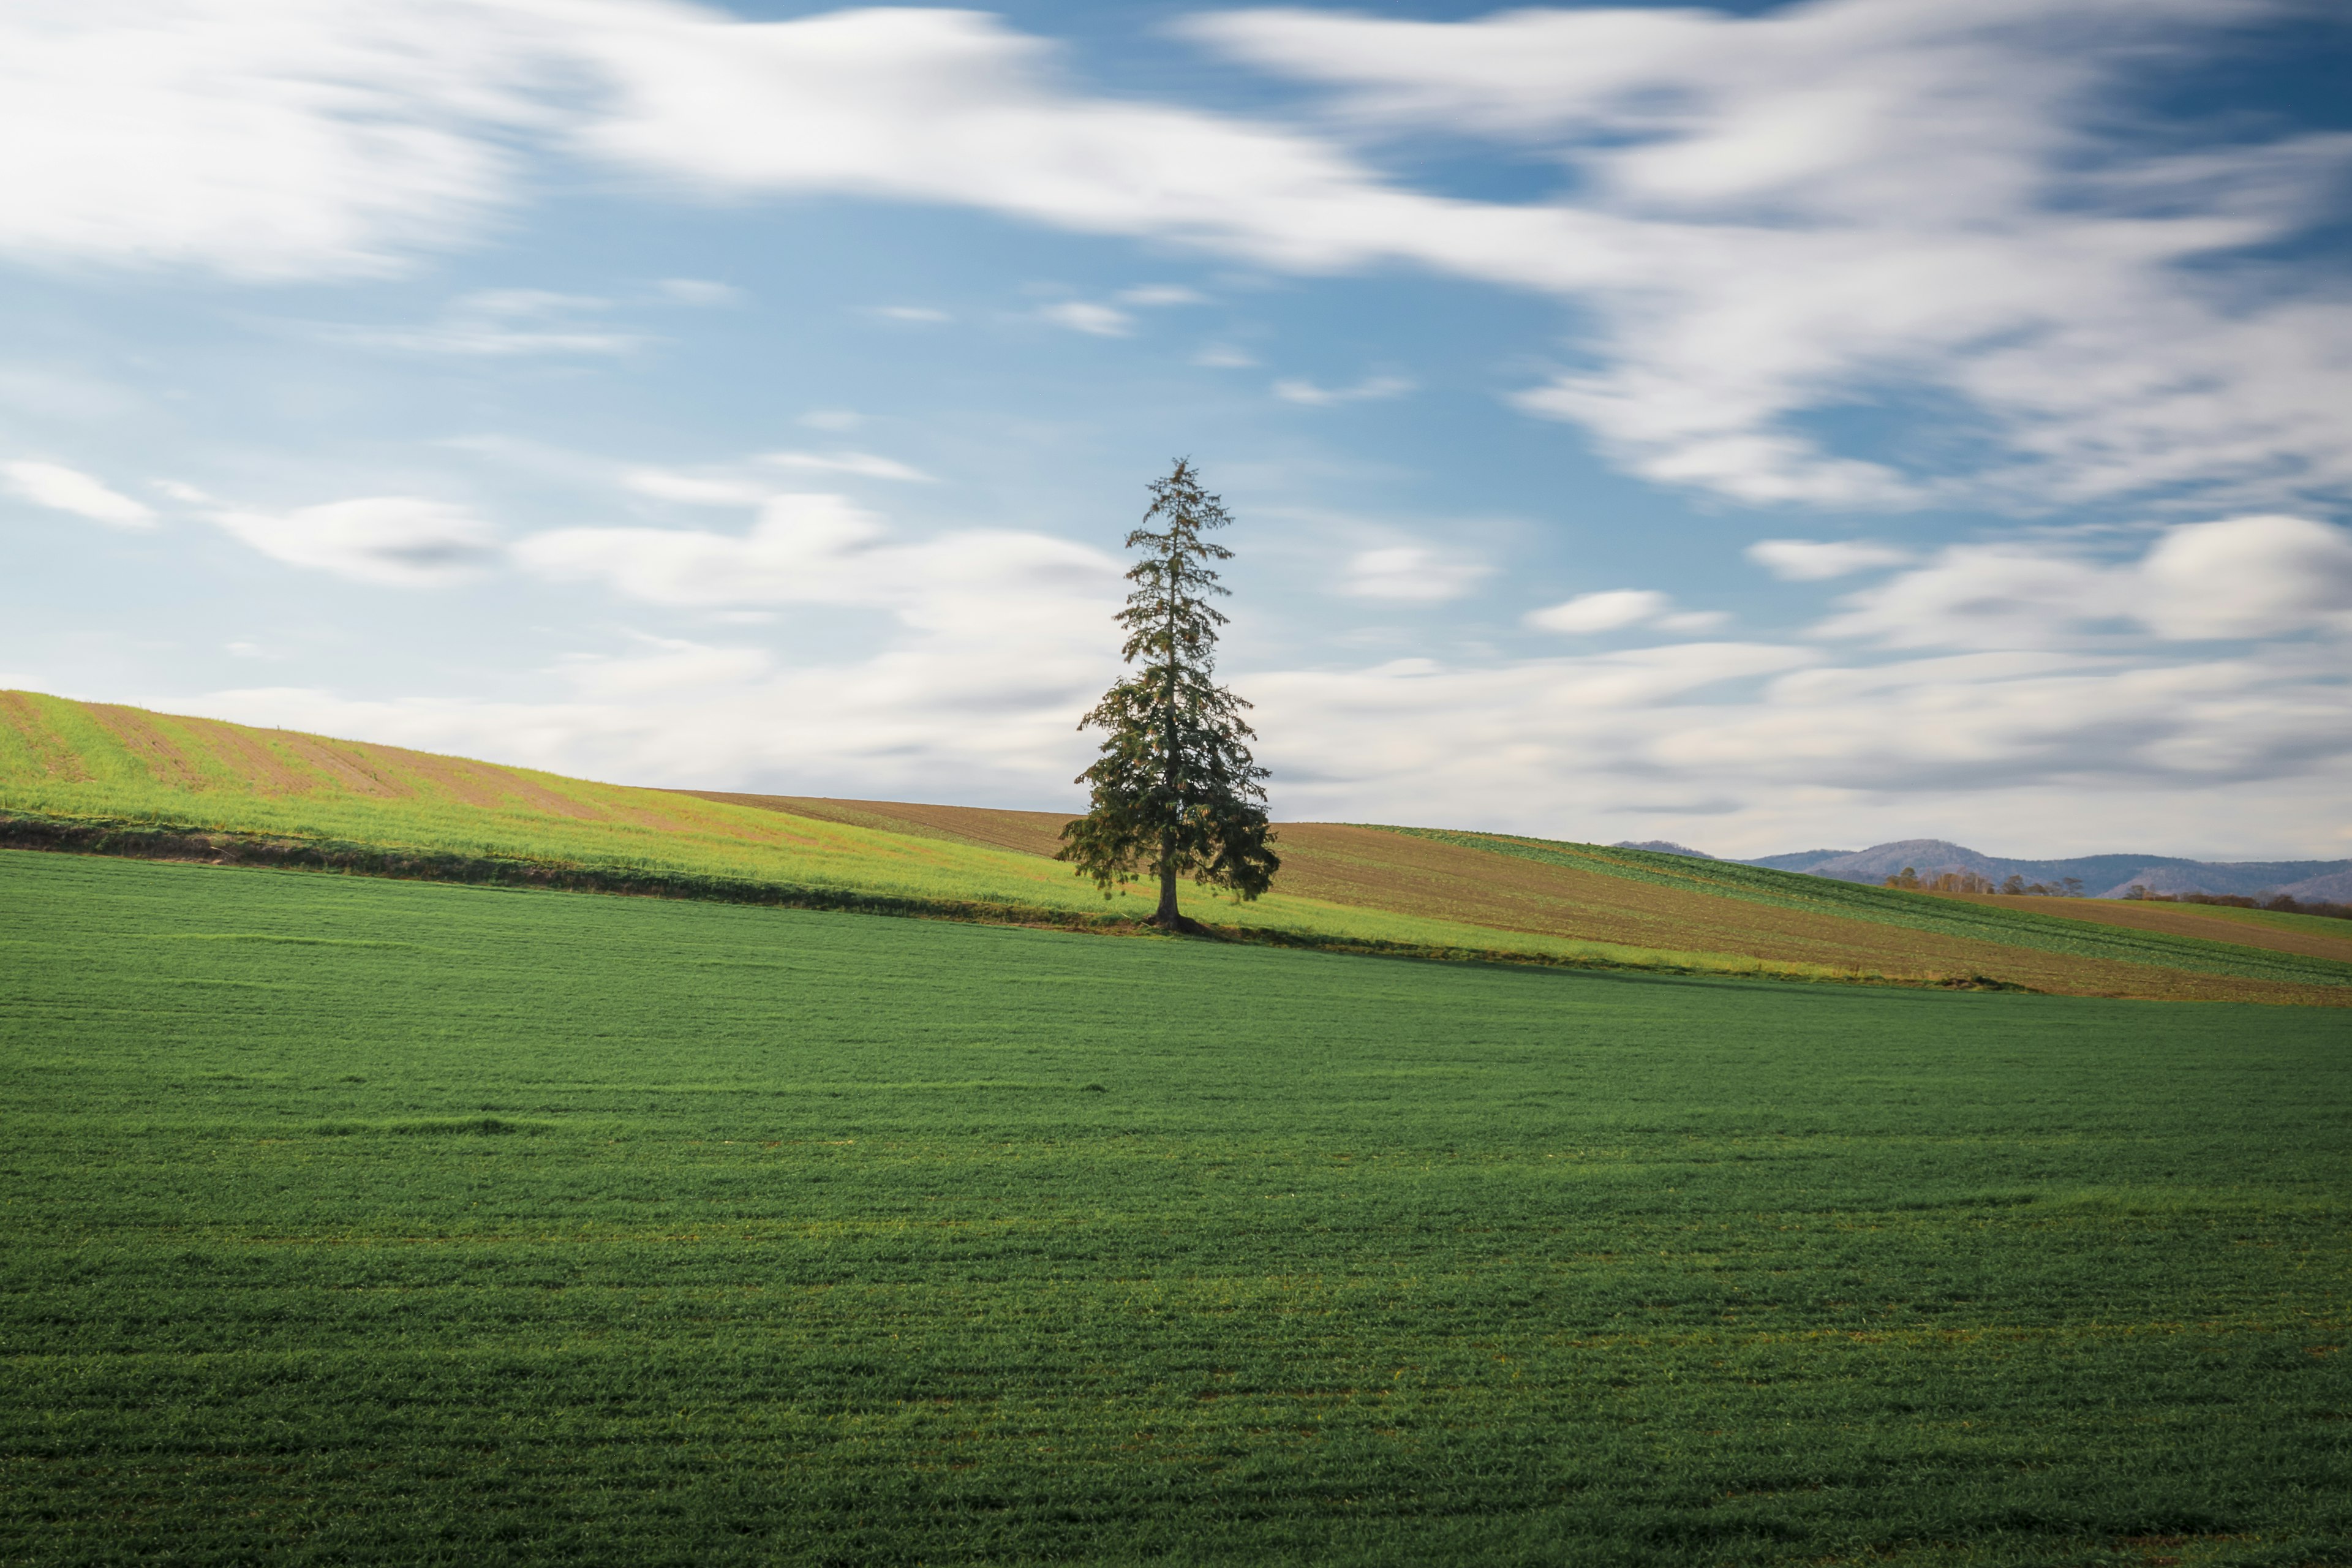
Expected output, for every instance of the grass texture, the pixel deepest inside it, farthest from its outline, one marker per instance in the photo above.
(1397, 890)
(358, 1221)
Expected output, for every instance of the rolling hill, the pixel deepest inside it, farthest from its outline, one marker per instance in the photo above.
(106, 777)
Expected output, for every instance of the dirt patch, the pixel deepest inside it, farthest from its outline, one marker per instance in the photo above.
(1038, 833)
(235, 747)
(483, 784)
(349, 772)
(145, 740)
(2179, 920)
(18, 711)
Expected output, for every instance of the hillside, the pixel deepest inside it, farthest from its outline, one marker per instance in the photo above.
(71, 772)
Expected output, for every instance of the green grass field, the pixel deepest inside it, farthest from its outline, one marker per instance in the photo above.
(361, 1221)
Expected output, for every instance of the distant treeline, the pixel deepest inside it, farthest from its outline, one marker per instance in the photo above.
(2071, 888)
(1969, 882)
(2283, 904)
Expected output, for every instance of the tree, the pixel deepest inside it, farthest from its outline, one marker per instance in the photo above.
(1175, 791)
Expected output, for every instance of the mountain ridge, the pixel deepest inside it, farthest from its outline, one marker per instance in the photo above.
(2101, 876)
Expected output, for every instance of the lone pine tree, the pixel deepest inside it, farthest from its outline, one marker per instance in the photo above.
(1175, 791)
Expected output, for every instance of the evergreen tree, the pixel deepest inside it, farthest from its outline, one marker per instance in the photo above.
(1175, 791)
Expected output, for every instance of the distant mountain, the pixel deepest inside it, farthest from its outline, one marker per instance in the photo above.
(2102, 876)
(1662, 846)
(1802, 860)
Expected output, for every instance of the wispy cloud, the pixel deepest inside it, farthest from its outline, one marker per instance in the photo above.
(61, 489)
(1771, 213)
(1410, 574)
(1814, 561)
(1369, 390)
(865, 464)
(1615, 609)
(1085, 316)
(1152, 296)
(920, 315)
(499, 323)
(701, 291)
(399, 541)
(2258, 576)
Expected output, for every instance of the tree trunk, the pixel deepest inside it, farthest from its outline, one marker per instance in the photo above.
(1166, 917)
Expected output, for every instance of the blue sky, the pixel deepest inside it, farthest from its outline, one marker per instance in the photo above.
(1767, 428)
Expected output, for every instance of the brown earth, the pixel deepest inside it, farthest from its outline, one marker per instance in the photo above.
(57, 759)
(1372, 868)
(2180, 920)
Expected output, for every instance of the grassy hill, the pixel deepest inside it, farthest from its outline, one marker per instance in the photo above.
(96, 775)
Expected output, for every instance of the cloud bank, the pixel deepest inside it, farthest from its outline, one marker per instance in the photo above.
(1764, 217)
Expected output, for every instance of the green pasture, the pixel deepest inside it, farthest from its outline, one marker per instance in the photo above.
(356, 1221)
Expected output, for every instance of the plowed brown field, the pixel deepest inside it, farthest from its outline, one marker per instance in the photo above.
(1376, 868)
(2187, 920)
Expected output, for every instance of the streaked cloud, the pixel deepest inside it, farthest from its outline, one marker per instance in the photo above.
(1814, 561)
(404, 541)
(1410, 574)
(2259, 577)
(1768, 214)
(701, 291)
(1086, 316)
(61, 489)
(1154, 296)
(865, 464)
(1371, 389)
(500, 324)
(1615, 609)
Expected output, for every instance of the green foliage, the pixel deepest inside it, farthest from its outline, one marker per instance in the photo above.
(1175, 792)
(354, 1221)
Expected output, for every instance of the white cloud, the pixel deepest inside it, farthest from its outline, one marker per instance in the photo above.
(1223, 356)
(1769, 215)
(2241, 577)
(1772, 214)
(264, 139)
(1409, 574)
(1371, 389)
(499, 323)
(1083, 316)
(1157, 295)
(662, 665)
(692, 490)
(832, 419)
(1814, 561)
(921, 315)
(1694, 620)
(61, 489)
(2246, 577)
(865, 464)
(701, 291)
(401, 540)
(737, 488)
(822, 549)
(1604, 612)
